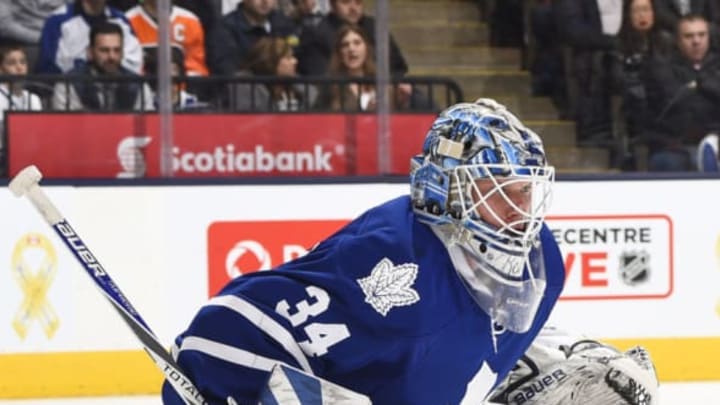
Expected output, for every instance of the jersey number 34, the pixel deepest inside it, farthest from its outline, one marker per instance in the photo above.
(320, 335)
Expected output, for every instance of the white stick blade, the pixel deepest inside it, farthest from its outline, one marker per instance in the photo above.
(25, 180)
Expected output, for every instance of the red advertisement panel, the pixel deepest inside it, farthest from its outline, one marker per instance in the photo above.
(241, 247)
(225, 145)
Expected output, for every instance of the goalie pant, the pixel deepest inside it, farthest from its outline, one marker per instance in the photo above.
(377, 308)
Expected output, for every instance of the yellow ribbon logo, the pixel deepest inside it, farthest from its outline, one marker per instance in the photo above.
(34, 282)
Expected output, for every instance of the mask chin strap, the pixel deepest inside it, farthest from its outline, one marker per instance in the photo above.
(497, 330)
(528, 266)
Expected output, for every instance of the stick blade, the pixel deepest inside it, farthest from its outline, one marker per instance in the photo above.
(23, 181)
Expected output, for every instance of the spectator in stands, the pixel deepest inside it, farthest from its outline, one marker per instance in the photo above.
(590, 29)
(640, 36)
(13, 95)
(353, 58)
(640, 41)
(546, 66)
(272, 57)
(305, 14)
(207, 11)
(240, 29)
(90, 86)
(64, 38)
(185, 32)
(669, 12)
(683, 94)
(180, 98)
(22, 20)
(316, 45)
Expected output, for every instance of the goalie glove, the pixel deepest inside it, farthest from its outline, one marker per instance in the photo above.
(587, 372)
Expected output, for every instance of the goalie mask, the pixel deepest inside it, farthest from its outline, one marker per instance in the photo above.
(483, 183)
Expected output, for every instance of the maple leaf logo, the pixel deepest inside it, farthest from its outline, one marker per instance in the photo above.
(390, 286)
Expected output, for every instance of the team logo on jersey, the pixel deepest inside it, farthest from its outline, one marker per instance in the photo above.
(390, 286)
(634, 267)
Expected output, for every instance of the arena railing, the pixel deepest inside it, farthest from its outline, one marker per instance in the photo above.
(223, 93)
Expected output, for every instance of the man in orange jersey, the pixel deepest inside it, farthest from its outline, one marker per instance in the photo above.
(185, 31)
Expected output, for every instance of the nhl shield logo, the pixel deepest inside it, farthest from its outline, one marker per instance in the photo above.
(634, 267)
(390, 286)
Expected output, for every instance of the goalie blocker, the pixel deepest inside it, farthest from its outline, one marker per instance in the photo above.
(290, 386)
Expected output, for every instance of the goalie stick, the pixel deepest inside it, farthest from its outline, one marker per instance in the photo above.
(27, 183)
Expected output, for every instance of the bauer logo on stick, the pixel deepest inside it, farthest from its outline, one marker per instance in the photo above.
(79, 248)
(27, 183)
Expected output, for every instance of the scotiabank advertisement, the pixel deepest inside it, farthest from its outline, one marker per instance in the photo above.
(218, 145)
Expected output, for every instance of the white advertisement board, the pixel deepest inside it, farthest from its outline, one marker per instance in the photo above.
(654, 272)
(641, 256)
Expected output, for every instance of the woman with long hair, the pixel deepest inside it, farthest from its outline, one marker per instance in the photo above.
(640, 36)
(272, 57)
(353, 58)
(640, 41)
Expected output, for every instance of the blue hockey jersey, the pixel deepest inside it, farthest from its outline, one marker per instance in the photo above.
(65, 38)
(378, 308)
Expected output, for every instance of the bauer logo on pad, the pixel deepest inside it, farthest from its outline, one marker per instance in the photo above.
(240, 247)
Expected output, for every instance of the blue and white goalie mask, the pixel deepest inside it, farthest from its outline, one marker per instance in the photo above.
(484, 184)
